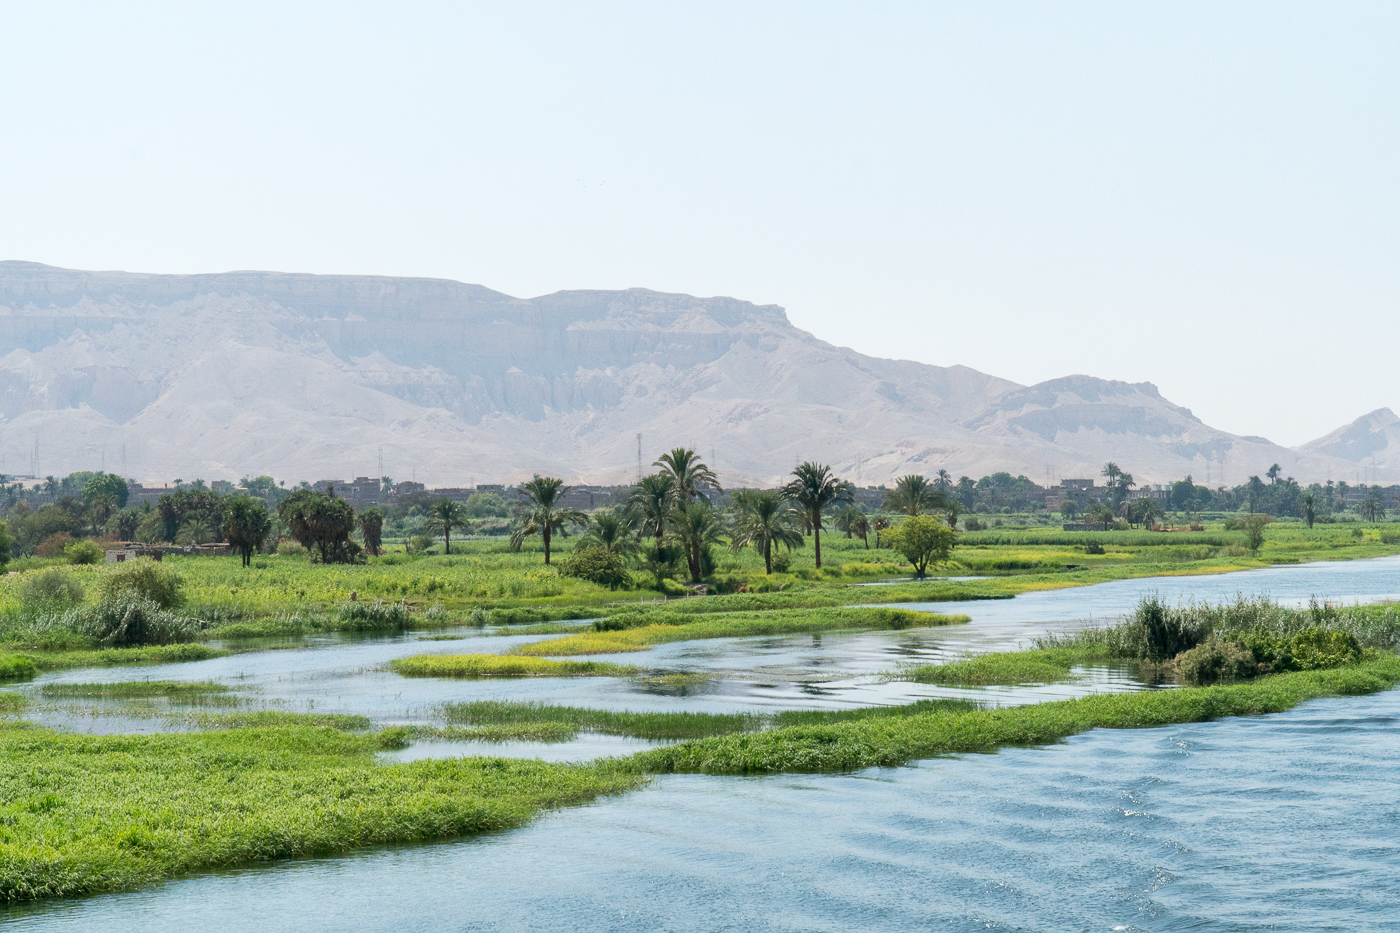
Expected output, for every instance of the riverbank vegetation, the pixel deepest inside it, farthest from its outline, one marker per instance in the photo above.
(502, 665)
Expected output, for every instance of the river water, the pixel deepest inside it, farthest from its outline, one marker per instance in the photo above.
(1285, 822)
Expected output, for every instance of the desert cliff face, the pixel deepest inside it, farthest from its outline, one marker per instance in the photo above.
(307, 376)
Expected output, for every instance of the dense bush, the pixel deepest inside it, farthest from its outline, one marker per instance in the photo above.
(1214, 661)
(130, 618)
(1309, 650)
(598, 565)
(144, 578)
(53, 545)
(49, 589)
(84, 552)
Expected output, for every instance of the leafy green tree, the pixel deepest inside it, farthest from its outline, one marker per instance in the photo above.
(1255, 492)
(1309, 508)
(761, 520)
(1069, 508)
(5, 542)
(1254, 527)
(815, 489)
(923, 540)
(596, 565)
(246, 525)
(123, 525)
(651, 502)
(486, 505)
(692, 478)
(446, 516)
(320, 521)
(372, 530)
(545, 514)
(914, 495)
(201, 506)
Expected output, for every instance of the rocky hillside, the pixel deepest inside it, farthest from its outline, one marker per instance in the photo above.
(1370, 445)
(307, 376)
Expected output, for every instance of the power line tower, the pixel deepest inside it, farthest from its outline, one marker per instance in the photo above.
(639, 456)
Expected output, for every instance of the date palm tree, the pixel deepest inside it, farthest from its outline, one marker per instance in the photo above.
(546, 513)
(814, 488)
(762, 519)
(852, 521)
(651, 503)
(612, 530)
(914, 495)
(446, 516)
(698, 526)
(691, 476)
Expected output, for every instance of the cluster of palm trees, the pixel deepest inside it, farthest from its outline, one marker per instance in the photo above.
(671, 515)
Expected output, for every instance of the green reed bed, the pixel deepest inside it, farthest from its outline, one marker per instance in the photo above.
(85, 814)
(893, 740)
(501, 665)
(490, 732)
(12, 702)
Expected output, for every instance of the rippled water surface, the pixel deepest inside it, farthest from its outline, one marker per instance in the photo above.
(1286, 822)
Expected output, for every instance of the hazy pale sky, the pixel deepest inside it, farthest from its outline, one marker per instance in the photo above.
(1200, 195)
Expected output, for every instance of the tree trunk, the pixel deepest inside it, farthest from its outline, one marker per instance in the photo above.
(546, 544)
(447, 541)
(817, 540)
(768, 557)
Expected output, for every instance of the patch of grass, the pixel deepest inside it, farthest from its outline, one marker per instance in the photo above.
(264, 718)
(495, 732)
(821, 717)
(886, 741)
(12, 702)
(646, 725)
(134, 689)
(502, 665)
(638, 633)
(85, 814)
(1040, 666)
(443, 637)
(113, 657)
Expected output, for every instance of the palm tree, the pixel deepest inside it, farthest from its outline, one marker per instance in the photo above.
(762, 520)
(545, 514)
(815, 489)
(688, 472)
(1111, 471)
(698, 526)
(651, 503)
(852, 521)
(445, 516)
(611, 530)
(914, 495)
(944, 481)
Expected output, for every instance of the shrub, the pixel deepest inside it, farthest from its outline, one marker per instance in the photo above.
(289, 548)
(419, 544)
(84, 552)
(145, 578)
(782, 561)
(52, 588)
(599, 565)
(53, 545)
(1214, 662)
(373, 617)
(130, 618)
(1093, 547)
